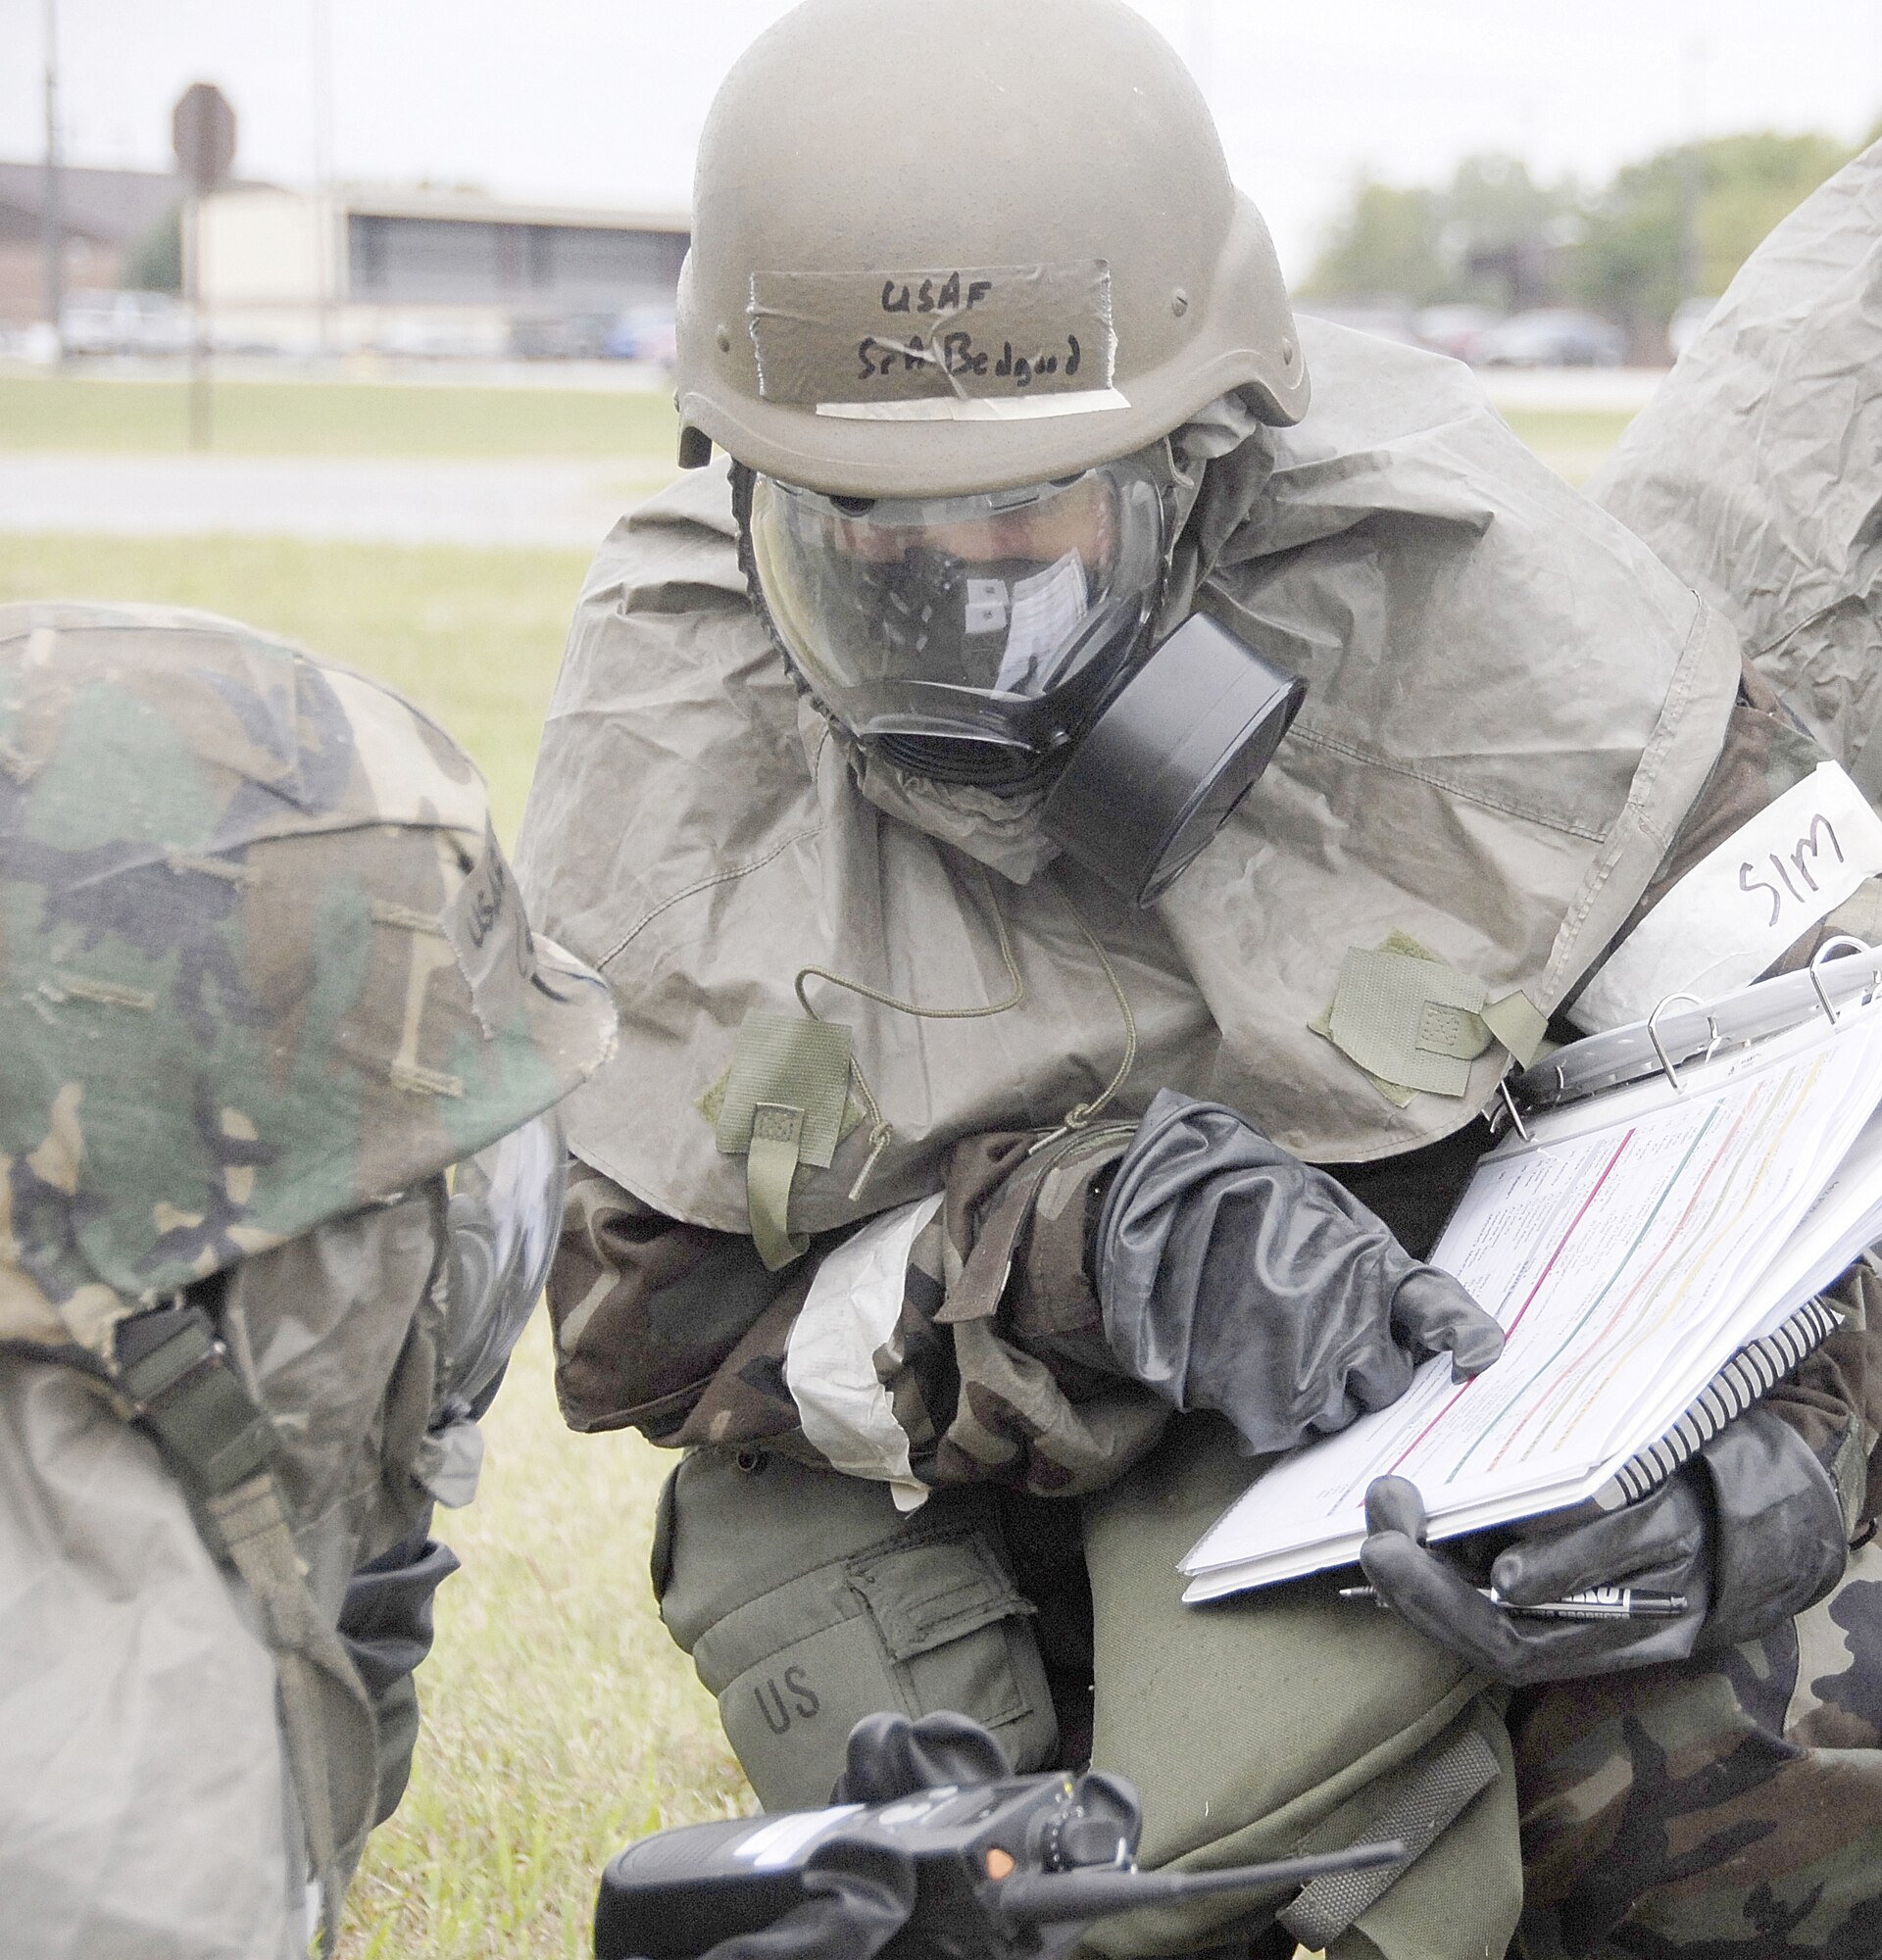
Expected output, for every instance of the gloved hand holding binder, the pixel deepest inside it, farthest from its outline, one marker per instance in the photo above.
(1653, 1235)
(1751, 1532)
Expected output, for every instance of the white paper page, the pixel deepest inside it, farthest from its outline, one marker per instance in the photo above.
(1622, 1264)
(1833, 1232)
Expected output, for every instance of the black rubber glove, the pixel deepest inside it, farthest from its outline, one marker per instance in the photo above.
(1751, 1532)
(1234, 1277)
(862, 1887)
(889, 1756)
(862, 1891)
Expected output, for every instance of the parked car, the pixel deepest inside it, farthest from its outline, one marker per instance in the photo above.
(1552, 337)
(644, 333)
(1389, 323)
(570, 336)
(126, 323)
(1456, 330)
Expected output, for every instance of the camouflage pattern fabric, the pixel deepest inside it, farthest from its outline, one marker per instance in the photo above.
(265, 963)
(675, 1330)
(1727, 1810)
(1729, 1807)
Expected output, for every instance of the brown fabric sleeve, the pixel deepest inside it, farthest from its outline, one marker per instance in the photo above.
(647, 1311)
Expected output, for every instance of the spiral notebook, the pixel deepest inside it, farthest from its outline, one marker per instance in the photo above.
(1650, 1234)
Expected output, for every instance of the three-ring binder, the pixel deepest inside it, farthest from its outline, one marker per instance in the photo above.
(1663, 1043)
(1670, 1038)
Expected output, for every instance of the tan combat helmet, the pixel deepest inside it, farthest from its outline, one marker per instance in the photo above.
(946, 249)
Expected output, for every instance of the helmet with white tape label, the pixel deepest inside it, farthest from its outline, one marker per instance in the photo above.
(962, 249)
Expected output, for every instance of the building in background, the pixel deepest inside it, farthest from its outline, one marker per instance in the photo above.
(433, 272)
(116, 225)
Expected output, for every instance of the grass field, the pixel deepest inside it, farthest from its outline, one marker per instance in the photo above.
(1572, 441)
(560, 1720)
(334, 418)
(250, 417)
(474, 636)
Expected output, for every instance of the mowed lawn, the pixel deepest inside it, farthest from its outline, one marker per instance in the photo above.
(473, 636)
(560, 1721)
(338, 418)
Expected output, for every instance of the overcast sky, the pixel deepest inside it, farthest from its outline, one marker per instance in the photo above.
(600, 101)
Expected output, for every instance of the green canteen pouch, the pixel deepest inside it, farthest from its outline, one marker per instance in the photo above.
(807, 1602)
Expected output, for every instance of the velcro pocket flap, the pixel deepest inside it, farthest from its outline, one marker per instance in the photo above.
(939, 1590)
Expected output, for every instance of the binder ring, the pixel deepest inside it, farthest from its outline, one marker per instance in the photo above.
(1516, 1114)
(1838, 943)
(1659, 1047)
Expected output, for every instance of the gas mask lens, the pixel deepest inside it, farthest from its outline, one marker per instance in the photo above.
(964, 618)
(502, 1221)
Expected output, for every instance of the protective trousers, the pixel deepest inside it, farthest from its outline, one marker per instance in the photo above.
(807, 1600)
(1724, 1808)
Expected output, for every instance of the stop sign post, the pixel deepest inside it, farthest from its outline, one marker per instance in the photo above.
(201, 131)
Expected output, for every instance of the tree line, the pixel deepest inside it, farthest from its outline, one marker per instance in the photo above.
(1673, 227)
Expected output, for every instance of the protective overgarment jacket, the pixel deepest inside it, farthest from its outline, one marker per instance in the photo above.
(1520, 731)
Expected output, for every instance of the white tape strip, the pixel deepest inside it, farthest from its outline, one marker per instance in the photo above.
(1744, 904)
(829, 1364)
(979, 409)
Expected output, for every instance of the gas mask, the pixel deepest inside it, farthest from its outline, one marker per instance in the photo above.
(999, 640)
(501, 1225)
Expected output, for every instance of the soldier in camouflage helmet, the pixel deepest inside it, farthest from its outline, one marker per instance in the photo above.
(278, 1178)
(965, 1164)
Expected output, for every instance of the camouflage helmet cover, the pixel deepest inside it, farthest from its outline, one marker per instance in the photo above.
(262, 960)
(939, 250)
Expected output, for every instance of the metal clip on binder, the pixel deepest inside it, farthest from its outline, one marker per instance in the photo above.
(1673, 1036)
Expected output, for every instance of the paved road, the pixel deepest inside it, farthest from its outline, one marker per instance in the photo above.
(441, 501)
(373, 499)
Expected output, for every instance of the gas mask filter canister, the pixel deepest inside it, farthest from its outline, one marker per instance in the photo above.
(1168, 757)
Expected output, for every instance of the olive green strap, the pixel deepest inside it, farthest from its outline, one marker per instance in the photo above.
(322, 1697)
(771, 1159)
(177, 1378)
(785, 1098)
(1417, 1810)
(976, 1292)
(1518, 1024)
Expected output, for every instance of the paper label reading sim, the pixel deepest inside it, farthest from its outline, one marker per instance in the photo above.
(1744, 904)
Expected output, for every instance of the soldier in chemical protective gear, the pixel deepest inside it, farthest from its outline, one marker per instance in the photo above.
(280, 1179)
(1051, 1043)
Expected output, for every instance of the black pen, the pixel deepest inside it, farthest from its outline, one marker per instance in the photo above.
(1599, 1602)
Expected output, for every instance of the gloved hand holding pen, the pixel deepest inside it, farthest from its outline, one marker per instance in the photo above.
(1750, 1532)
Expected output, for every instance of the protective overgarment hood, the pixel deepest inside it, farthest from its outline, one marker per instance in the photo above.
(1510, 706)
